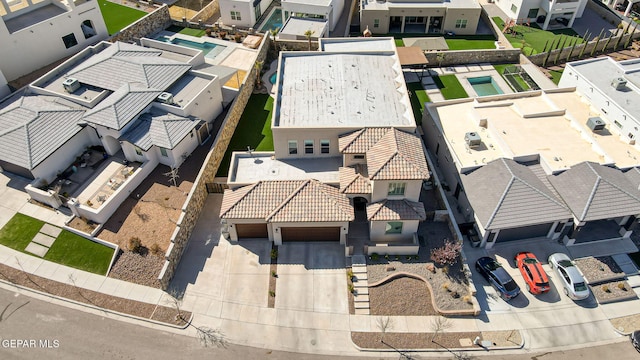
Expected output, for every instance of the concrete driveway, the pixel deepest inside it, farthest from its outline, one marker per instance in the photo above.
(312, 277)
(549, 320)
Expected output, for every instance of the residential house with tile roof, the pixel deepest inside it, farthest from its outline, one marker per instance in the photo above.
(551, 164)
(146, 105)
(345, 151)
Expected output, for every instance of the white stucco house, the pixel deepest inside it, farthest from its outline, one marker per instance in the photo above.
(146, 105)
(420, 16)
(327, 10)
(511, 180)
(243, 13)
(37, 33)
(345, 156)
(553, 14)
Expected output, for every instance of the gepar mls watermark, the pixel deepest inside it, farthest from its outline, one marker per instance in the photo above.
(29, 343)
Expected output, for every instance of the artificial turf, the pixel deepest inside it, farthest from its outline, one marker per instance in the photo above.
(418, 97)
(533, 40)
(117, 16)
(450, 87)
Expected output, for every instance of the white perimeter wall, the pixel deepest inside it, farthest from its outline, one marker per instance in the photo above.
(331, 13)
(33, 47)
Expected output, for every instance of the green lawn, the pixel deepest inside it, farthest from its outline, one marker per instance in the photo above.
(186, 31)
(418, 97)
(470, 44)
(68, 249)
(517, 78)
(117, 16)
(534, 40)
(399, 42)
(254, 130)
(80, 253)
(555, 76)
(450, 87)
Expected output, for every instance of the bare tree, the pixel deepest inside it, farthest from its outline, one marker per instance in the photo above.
(173, 176)
(206, 335)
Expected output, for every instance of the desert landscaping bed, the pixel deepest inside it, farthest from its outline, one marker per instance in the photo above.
(627, 324)
(599, 269)
(136, 308)
(613, 291)
(452, 340)
(138, 269)
(401, 296)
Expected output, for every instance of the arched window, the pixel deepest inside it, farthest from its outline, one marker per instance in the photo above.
(87, 29)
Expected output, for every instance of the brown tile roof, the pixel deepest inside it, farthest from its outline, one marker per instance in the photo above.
(313, 201)
(388, 210)
(354, 180)
(360, 141)
(287, 201)
(397, 156)
(256, 201)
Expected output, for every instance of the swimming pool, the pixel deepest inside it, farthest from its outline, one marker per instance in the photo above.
(274, 21)
(484, 86)
(210, 50)
(273, 78)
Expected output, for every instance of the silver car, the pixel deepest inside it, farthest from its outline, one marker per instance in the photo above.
(568, 274)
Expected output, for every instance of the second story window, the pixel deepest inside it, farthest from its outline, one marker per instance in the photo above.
(324, 146)
(396, 188)
(235, 15)
(163, 152)
(293, 147)
(308, 146)
(461, 24)
(376, 23)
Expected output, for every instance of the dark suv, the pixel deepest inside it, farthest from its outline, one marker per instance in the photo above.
(497, 277)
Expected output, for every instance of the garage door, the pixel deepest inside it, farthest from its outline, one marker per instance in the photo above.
(252, 231)
(310, 233)
(524, 232)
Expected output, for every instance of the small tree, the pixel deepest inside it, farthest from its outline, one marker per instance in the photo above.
(447, 254)
(308, 34)
(135, 245)
(258, 68)
(273, 33)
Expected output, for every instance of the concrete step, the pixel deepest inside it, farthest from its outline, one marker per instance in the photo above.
(362, 291)
(362, 312)
(634, 281)
(361, 298)
(361, 305)
(359, 279)
(360, 283)
(358, 260)
(359, 269)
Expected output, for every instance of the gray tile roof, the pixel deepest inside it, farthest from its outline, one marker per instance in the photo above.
(398, 155)
(119, 108)
(594, 192)
(633, 175)
(505, 194)
(160, 129)
(34, 127)
(287, 201)
(389, 210)
(112, 68)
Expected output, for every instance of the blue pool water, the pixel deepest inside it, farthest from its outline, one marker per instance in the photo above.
(210, 50)
(272, 78)
(274, 21)
(484, 86)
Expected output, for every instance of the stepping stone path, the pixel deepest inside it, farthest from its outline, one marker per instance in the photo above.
(43, 240)
(360, 284)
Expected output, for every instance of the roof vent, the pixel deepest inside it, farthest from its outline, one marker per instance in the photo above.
(595, 124)
(165, 98)
(472, 139)
(70, 85)
(619, 83)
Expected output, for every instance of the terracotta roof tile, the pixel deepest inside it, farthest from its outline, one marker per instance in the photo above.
(256, 201)
(397, 156)
(354, 180)
(388, 210)
(360, 141)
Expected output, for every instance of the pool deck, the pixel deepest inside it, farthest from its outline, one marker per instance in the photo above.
(499, 81)
(265, 78)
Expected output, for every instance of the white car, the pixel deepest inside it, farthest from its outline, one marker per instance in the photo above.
(568, 274)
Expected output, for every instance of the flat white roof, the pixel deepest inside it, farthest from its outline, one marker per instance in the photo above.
(601, 71)
(298, 26)
(376, 5)
(336, 90)
(309, 2)
(250, 168)
(357, 44)
(551, 124)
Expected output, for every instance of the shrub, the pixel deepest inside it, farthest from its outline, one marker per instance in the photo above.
(447, 254)
(351, 288)
(467, 299)
(272, 293)
(455, 295)
(375, 256)
(430, 267)
(350, 274)
(274, 254)
(155, 249)
(135, 245)
(605, 288)
(237, 37)
(446, 286)
(273, 273)
(207, 31)
(408, 257)
(621, 286)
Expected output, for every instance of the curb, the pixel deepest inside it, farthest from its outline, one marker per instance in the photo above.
(155, 322)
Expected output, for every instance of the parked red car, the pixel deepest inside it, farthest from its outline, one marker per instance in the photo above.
(534, 275)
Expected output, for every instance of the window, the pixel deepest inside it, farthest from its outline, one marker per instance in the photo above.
(376, 23)
(358, 157)
(293, 147)
(308, 146)
(138, 151)
(69, 40)
(533, 13)
(514, 9)
(396, 188)
(393, 227)
(235, 15)
(324, 146)
(461, 23)
(87, 29)
(163, 152)
(617, 123)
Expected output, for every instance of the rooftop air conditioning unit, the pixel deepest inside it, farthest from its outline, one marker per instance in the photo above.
(595, 123)
(619, 83)
(472, 139)
(165, 98)
(70, 85)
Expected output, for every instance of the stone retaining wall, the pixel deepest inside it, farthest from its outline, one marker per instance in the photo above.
(195, 201)
(206, 11)
(463, 57)
(148, 25)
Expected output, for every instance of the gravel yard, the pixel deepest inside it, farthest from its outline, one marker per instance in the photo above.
(401, 296)
(599, 269)
(138, 269)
